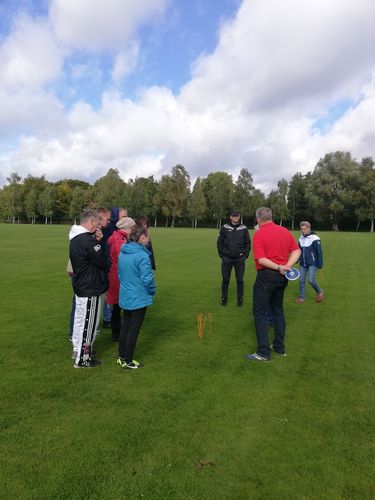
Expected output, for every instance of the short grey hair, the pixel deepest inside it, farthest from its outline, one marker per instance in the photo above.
(89, 215)
(305, 223)
(264, 214)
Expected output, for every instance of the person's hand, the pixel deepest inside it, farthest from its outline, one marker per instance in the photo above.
(284, 269)
(98, 234)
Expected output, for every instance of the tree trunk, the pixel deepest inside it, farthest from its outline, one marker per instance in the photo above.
(46, 220)
(166, 222)
(281, 222)
(356, 229)
(196, 223)
(372, 226)
(292, 223)
(173, 219)
(335, 226)
(192, 223)
(155, 222)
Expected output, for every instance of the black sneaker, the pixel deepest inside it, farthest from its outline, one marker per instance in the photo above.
(277, 352)
(89, 363)
(106, 324)
(239, 302)
(223, 301)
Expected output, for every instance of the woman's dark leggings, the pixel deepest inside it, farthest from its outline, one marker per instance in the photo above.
(130, 327)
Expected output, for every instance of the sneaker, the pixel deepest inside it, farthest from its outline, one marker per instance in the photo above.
(320, 297)
(134, 365)
(256, 357)
(89, 363)
(115, 338)
(106, 324)
(277, 352)
(239, 302)
(223, 301)
(300, 300)
(121, 362)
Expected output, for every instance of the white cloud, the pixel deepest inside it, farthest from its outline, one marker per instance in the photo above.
(125, 62)
(251, 103)
(29, 56)
(97, 25)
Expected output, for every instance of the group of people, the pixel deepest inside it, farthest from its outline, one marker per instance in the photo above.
(275, 252)
(110, 255)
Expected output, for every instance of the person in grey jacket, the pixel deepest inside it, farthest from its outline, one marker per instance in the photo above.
(310, 261)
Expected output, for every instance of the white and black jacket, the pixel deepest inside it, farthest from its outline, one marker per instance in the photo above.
(89, 262)
(311, 251)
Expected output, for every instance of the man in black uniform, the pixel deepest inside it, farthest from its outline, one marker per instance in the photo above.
(90, 267)
(233, 246)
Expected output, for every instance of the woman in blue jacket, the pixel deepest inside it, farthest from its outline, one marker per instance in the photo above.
(137, 288)
(310, 261)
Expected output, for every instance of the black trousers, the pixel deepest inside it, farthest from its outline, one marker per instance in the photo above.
(129, 332)
(268, 291)
(226, 269)
(116, 322)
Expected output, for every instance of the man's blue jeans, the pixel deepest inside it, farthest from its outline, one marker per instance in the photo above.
(107, 311)
(310, 273)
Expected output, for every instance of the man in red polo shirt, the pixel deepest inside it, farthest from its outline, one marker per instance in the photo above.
(275, 251)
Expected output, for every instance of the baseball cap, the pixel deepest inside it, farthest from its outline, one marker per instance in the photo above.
(235, 212)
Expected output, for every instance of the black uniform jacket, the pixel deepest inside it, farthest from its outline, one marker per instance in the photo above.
(234, 241)
(90, 265)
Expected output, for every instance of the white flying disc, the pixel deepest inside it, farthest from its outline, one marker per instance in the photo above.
(293, 274)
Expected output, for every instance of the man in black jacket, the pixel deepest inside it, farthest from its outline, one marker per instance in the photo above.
(233, 246)
(90, 266)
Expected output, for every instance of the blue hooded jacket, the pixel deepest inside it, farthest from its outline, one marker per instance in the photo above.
(137, 285)
(311, 251)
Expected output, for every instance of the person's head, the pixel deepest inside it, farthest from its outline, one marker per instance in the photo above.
(126, 224)
(235, 216)
(305, 227)
(122, 212)
(140, 235)
(142, 220)
(105, 216)
(90, 220)
(263, 215)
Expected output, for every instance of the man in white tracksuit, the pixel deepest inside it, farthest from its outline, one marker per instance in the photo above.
(90, 280)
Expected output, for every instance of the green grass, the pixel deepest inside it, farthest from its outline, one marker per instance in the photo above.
(198, 421)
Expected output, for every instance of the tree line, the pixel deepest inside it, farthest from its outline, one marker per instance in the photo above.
(339, 194)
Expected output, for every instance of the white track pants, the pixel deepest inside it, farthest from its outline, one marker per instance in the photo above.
(86, 322)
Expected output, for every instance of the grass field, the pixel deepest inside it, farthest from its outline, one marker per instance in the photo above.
(198, 421)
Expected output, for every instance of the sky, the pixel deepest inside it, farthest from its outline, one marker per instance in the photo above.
(144, 85)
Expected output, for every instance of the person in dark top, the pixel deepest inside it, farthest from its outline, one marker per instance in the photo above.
(111, 217)
(90, 280)
(142, 220)
(233, 246)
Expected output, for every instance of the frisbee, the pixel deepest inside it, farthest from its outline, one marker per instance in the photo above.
(293, 274)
